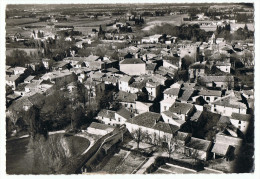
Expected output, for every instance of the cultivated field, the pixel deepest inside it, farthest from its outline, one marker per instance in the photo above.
(124, 162)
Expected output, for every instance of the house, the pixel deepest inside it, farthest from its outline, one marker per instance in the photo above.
(166, 104)
(196, 118)
(150, 68)
(126, 99)
(171, 93)
(210, 95)
(223, 66)
(9, 70)
(132, 66)
(124, 82)
(20, 89)
(145, 121)
(182, 138)
(164, 132)
(171, 118)
(99, 129)
(197, 69)
(152, 39)
(122, 115)
(248, 94)
(60, 65)
(241, 121)
(198, 148)
(153, 89)
(221, 150)
(46, 63)
(234, 142)
(110, 80)
(13, 80)
(19, 70)
(182, 110)
(174, 63)
(220, 40)
(142, 107)
(29, 79)
(107, 117)
(186, 95)
(94, 88)
(60, 77)
(224, 82)
(228, 105)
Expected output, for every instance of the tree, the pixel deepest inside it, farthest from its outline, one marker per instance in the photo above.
(138, 135)
(186, 62)
(171, 145)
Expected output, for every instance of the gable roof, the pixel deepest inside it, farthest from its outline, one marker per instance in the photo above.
(132, 61)
(125, 113)
(210, 93)
(220, 148)
(172, 91)
(199, 144)
(196, 116)
(107, 114)
(241, 117)
(182, 135)
(150, 66)
(182, 108)
(229, 101)
(147, 119)
(166, 127)
(125, 97)
(210, 79)
(186, 95)
(125, 78)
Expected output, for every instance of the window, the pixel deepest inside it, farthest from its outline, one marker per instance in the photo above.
(119, 119)
(208, 98)
(125, 105)
(165, 108)
(239, 122)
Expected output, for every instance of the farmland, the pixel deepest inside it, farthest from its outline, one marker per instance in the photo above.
(123, 162)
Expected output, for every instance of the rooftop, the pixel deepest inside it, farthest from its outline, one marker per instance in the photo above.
(186, 95)
(172, 91)
(165, 127)
(210, 93)
(229, 101)
(147, 119)
(220, 149)
(125, 113)
(241, 117)
(210, 79)
(125, 97)
(182, 108)
(132, 61)
(199, 144)
(107, 114)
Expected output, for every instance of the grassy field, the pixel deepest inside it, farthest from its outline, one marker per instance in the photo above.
(153, 21)
(22, 21)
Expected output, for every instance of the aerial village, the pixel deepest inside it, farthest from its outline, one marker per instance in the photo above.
(152, 103)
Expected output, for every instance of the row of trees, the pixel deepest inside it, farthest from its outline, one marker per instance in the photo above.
(184, 32)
